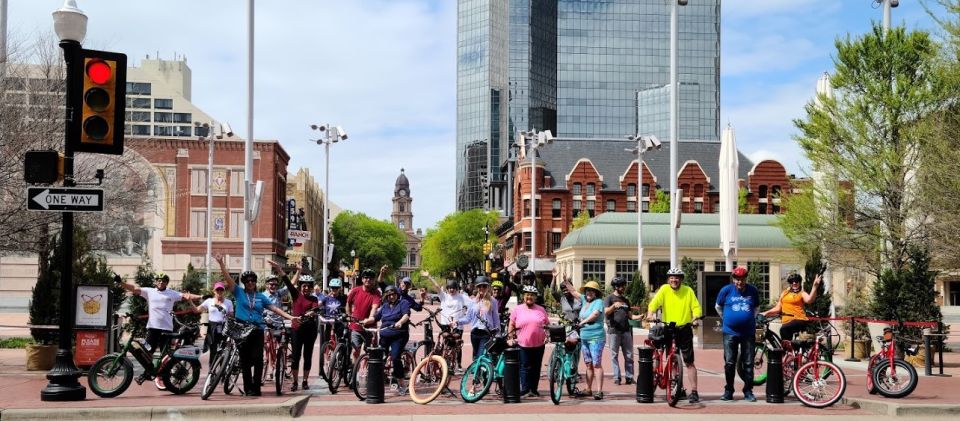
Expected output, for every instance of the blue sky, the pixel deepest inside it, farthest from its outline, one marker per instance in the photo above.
(385, 70)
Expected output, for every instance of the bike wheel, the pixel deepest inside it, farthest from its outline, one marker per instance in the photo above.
(675, 380)
(232, 374)
(335, 371)
(359, 380)
(819, 384)
(326, 358)
(422, 351)
(408, 361)
(789, 369)
(428, 379)
(476, 381)
(896, 382)
(110, 376)
(279, 370)
(214, 375)
(759, 364)
(180, 375)
(556, 379)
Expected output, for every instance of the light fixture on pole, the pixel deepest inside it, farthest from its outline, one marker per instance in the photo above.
(210, 132)
(70, 24)
(537, 139)
(887, 5)
(674, 124)
(330, 134)
(645, 143)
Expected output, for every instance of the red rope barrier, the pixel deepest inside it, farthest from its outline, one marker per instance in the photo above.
(894, 323)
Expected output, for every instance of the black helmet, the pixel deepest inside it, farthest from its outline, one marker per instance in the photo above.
(367, 273)
(452, 283)
(248, 274)
(481, 280)
(528, 275)
(794, 277)
(618, 281)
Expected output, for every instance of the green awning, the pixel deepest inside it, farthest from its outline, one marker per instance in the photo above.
(614, 229)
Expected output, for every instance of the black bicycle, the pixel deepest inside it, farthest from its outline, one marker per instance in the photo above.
(339, 368)
(226, 367)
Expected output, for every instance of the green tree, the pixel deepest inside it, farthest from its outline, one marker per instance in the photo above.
(743, 206)
(907, 294)
(136, 304)
(193, 282)
(660, 203)
(582, 220)
(376, 242)
(456, 243)
(689, 268)
(637, 293)
(815, 266)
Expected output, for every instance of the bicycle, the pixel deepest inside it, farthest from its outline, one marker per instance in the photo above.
(275, 331)
(769, 340)
(819, 383)
(226, 367)
(177, 366)
(888, 375)
(564, 361)
(485, 370)
(667, 362)
(361, 367)
(281, 363)
(431, 376)
(339, 368)
(327, 345)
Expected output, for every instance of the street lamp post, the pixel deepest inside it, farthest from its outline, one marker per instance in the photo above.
(70, 24)
(208, 130)
(537, 139)
(674, 125)
(887, 5)
(331, 134)
(644, 144)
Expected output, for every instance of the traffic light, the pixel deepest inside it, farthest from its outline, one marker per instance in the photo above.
(42, 167)
(98, 99)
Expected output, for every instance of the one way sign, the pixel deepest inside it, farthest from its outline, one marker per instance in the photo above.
(64, 199)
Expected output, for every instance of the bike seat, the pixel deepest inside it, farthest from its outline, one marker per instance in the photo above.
(801, 343)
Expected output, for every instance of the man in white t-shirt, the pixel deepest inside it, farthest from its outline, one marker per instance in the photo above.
(160, 301)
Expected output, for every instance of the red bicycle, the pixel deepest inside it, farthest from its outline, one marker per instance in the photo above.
(817, 383)
(888, 375)
(667, 363)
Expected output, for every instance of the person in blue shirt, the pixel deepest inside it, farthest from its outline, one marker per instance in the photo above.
(394, 316)
(737, 307)
(249, 308)
(332, 305)
(406, 284)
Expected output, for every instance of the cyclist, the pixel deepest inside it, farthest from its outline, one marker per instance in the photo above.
(249, 308)
(362, 304)
(569, 304)
(616, 309)
(394, 316)
(737, 306)
(332, 304)
(453, 306)
(272, 321)
(502, 288)
(216, 319)
(527, 322)
(304, 334)
(160, 302)
(679, 304)
(406, 284)
(790, 306)
(483, 315)
(592, 339)
(529, 278)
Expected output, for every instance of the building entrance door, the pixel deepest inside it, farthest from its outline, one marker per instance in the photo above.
(954, 288)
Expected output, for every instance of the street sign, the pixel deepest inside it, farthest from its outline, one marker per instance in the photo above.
(298, 235)
(64, 199)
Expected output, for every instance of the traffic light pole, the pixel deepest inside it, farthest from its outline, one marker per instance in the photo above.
(63, 377)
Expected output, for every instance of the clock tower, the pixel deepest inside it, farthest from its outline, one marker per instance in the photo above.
(402, 215)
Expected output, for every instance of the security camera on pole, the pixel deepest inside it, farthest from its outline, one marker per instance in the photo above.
(331, 134)
(537, 139)
(644, 144)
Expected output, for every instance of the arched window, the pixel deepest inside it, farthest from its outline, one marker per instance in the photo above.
(577, 187)
(591, 189)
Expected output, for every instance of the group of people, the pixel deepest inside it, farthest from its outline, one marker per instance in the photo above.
(600, 321)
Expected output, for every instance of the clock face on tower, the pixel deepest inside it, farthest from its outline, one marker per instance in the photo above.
(403, 193)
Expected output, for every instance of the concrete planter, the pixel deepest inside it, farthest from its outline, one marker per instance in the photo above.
(40, 357)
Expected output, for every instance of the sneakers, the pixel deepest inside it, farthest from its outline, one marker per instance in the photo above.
(616, 382)
(694, 397)
(458, 371)
(748, 396)
(727, 396)
(629, 380)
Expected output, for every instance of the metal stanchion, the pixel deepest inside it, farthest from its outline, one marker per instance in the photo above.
(375, 374)
(511, 375)
(775, 376)
(852, 337)
(645, 387)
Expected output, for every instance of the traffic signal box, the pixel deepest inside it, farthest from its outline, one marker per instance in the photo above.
(42, 167)
(99, 103)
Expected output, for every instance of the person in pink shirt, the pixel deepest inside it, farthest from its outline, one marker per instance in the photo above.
(527, 322)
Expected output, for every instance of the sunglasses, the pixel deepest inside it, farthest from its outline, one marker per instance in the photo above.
(794, 282)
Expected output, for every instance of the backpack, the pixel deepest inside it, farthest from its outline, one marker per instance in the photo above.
(620, 319)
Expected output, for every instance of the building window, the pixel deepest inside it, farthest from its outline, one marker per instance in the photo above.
(141, 130)
(592, 208)
(526, 208)
(555, 240)
(401, 207)
(138, 102)
(198, 181)
(236, 182)
(626, 269)
(555, 210)
(631, 190)
(632, 206)
(762, 192)
(611, 205)
(198, 223)
(576, 208)
(721, 266)
(763, 285)
(577, 187)
(591, 189)
(697, 207)
(645, 190)
(526, 241)
(236, 223)
(138, 88)
(163, 130)
(140, 116)
(182, 118)
(185, 131)
(645, 207)
(762, 206)
(163, 117)
(163, 104)
(402, 226)
(595, 270)
(413, 258)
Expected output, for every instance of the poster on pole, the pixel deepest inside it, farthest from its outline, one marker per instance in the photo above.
(93, 306)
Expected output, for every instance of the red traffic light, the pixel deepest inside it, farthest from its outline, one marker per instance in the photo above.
(99, 71)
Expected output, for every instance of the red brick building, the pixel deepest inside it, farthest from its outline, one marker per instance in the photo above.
(597, 176)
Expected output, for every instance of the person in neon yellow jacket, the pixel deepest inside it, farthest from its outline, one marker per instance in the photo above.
(679, 304)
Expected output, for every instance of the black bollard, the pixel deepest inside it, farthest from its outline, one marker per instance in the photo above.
(775, 376)
(645, 387)
(375, 367)
(511, 375)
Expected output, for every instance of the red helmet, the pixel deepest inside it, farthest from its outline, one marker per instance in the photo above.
(739, 272)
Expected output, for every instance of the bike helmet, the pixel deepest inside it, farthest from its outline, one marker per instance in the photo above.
(270, 278)
(452, 283)
(481, 280)
(618, 281)
(367, 273)
(531, 289)
(162, 277)
(336, 283)
(497, 284)
(528, 275)
(739, 272)
(675, 272)
(390, 289)
(249, 275)
(305, 279)
(794, 277)
(406, 280)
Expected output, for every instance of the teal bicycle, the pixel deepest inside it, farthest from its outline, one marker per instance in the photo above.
(564, 361)
(486, 370)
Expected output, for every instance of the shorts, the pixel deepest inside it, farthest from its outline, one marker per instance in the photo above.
(592, 350)
(357, 339)
(685, 343)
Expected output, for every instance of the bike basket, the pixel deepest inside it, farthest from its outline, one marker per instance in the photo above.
(657, 334)
(238, 331)
(499, 344)
(558, 333)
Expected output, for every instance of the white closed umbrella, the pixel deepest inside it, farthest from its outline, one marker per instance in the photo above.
(729, 195)
(824, 187)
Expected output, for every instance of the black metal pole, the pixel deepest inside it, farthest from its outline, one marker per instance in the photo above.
(63, 377)
(853, 329)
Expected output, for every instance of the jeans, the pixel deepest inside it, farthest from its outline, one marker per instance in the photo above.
(479, 339)
(531, 361)
(624, 341)
(395, 342)
(251, 359)
(738, 351)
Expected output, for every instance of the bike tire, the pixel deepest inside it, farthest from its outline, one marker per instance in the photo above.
(180, 375)
(335, 373)
(232, 375)
(428, 379)
(674, 380)
(813, 389)
(480, 374)
(105, 366)
(556, 379)
(903, 374)
(789, 369)
(423, 350)
(760, 364)
(214, 375)
(326, 358)
(359, 378)
(279, 370)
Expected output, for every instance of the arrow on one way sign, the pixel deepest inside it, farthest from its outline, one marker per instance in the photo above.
(64, 199)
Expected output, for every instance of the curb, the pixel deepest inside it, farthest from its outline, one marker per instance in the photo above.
(291, 408)
(894, 409)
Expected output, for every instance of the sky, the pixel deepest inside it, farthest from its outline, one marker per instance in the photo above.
(385, 71)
